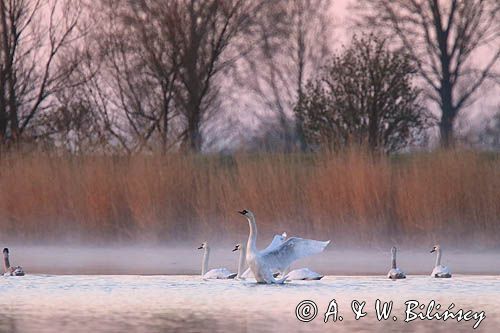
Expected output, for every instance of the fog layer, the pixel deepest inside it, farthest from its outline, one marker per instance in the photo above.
(187, 260)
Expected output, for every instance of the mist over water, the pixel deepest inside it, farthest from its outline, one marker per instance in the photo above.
(186, 259)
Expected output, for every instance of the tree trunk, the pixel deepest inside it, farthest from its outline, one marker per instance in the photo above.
(3, 110)
(448, 115)
(446, 130)
(8, 74)
(193, 134)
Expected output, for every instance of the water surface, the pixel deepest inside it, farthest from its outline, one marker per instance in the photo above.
(70, 303)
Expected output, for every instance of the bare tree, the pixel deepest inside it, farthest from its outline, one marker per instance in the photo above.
(160, 61)
(200, 34)
(364, 96)
(35, 61)
(291, 39)
(444, 38)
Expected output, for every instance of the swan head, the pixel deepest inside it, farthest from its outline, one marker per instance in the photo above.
(248, 214)
(5, 251)
(435, 248)
(394, 250)
(237, 247)
(203, 245)
(283, 236)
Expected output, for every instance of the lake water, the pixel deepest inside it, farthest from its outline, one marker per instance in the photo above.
(129, 303)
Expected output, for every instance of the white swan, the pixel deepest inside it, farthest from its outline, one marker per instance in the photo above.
(216, 273)
(264, 263)
(303, 274)
(242, 261)
(439, 271)
(395, 272)
(243, 275)
(8, 270)
(277, 241)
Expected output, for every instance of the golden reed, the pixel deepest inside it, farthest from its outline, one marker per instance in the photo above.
(350, 196)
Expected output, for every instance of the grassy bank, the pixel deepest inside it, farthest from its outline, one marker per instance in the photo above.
(350, 197)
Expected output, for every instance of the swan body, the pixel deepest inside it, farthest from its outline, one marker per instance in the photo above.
(277, 241)
(303, 274)
(219, 273)
(395, 273)
(216, 273)
(8, 270)
(264, 263)
(439, 270)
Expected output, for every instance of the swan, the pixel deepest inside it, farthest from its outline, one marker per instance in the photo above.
(439, 271)
(8, 270)
(303, 274)
(216, 273)
(277, 241)
(395, 272)
(242, 261)
(264, 263)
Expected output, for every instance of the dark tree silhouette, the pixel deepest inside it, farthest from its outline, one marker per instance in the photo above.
(364, 96)
(443, 38)
(35, 61)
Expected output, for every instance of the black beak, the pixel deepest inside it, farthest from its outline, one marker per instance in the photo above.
(235, 249)
(242, 212)
(201, 247)
(433, 250)
(6, 250)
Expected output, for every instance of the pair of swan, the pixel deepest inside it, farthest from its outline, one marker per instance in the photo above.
(8, 270)
(276, 258)
(216, 273)
(264, 264)
(439, 271)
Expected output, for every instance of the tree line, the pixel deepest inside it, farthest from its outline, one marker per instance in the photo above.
(141, 75)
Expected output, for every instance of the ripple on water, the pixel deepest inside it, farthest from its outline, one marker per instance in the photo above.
(160, 303)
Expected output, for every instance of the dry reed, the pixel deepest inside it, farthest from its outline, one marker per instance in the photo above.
(345, 197)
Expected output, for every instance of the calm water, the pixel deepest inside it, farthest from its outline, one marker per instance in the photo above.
(40, 304)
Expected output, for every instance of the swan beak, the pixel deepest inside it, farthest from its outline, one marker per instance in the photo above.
(201, 247)
(242, 212)
(235, 249)
(433, 250)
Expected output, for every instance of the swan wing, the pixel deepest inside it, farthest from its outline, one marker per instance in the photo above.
(277, 241)
(292, 249)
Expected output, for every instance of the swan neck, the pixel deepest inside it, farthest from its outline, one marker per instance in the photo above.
(204, 266)
(394, 260)
(252, 237)
(438, 257)
(6, 263)
(242, 261)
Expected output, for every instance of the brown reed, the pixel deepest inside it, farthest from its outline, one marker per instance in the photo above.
(451, 196)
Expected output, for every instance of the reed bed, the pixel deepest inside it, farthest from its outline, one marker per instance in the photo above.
(351, 197)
